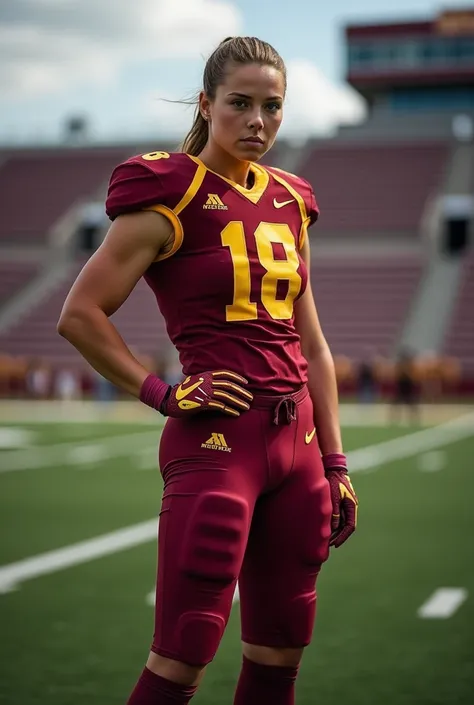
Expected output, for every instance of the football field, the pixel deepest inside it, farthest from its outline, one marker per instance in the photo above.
(78, 508)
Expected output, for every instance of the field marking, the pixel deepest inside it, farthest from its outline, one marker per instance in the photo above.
(16, 437)
(78, 452)
(443, 603)
(367, 458)
(362, 459)
(370, 458)
(433, 461)
(11, 576)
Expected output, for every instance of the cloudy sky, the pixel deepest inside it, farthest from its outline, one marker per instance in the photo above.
(115, 61)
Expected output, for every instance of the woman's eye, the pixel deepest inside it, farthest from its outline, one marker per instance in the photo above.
(239, 103)
(273, 107)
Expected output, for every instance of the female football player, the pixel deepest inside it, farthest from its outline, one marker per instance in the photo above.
(255, 479)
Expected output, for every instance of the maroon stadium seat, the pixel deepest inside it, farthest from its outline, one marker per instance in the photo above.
(37, 188)
(374, 189)
(14, 275)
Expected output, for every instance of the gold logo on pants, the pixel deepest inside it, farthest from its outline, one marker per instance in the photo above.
(217, 442)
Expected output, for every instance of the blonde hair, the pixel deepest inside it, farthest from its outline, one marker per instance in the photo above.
(237, 50)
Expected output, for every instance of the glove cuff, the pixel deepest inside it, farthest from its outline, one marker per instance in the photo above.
(334, 460)
(154, 392)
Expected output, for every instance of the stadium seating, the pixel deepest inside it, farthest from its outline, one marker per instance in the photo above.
(14, 275)
(36, 336)
(372, 193)
(363, 302)
(378, 189)
(39, 187)
(460, 337)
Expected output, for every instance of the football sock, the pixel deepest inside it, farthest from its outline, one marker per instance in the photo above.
(265, 684)
(152, 689)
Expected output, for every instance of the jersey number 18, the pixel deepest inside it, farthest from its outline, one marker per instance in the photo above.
(242, 309)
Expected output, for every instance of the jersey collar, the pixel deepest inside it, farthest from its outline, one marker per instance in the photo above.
(254, 194)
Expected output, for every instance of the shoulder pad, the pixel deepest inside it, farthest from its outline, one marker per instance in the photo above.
(155, 178)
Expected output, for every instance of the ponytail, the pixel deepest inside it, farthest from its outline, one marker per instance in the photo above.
(196, 139)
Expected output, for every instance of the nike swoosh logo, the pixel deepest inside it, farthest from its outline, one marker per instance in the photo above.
(309, 436)
(182, 392)
(277, 204)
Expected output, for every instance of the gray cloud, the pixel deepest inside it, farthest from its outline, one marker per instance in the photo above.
(46, 44)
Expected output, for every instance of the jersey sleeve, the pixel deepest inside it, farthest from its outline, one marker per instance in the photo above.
(157, 181)
(311, 205)
(132, 187)
(312, 209)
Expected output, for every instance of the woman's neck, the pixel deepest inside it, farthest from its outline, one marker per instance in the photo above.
(224, 164)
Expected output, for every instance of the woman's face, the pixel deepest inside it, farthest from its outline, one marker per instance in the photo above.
(245, 116)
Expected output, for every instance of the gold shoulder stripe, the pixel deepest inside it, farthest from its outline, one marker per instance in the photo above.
(302, 206)
(172, 214)
(192, 190)
(177, 227)
(303, 234)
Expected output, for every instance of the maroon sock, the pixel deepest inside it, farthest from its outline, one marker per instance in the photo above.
(265, 684)
(155, 690)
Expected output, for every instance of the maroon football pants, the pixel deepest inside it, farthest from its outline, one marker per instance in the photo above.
(244, 498)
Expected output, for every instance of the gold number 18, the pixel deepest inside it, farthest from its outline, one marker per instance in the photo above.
(242, 309)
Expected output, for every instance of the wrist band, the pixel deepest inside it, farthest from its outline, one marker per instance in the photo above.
(334, 460)
(154, 392)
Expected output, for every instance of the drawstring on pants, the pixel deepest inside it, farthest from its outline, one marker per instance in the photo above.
(288, 405)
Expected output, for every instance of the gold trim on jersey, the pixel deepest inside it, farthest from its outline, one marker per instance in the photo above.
(254, 194)
(192, 189)
(172, 214)
(177, 227)
(303, 234)
(305, 219)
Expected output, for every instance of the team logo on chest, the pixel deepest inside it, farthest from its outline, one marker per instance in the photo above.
(214, 203)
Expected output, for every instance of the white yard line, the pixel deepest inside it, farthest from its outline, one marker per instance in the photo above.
(432, 461)
(372, 457)
(11, 576)
(73, 452)
(443, 603)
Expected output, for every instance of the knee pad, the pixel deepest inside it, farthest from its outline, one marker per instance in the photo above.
(316, 524)
(214, 542)
(211, 555)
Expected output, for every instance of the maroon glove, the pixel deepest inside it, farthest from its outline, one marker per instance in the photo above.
(344, 499)
(207, 391)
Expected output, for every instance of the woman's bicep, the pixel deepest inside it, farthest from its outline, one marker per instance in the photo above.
(132, 243)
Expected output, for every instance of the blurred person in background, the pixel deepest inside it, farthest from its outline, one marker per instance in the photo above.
(38, 379)
(406, 390)
(67, 384)
(92, 226)
(366, 378)
(251, 493)
(430, 367)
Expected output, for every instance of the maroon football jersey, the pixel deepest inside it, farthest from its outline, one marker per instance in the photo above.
(227, 287)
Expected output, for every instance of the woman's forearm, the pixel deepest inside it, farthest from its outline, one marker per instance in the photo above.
(323, 389)
(96, 338)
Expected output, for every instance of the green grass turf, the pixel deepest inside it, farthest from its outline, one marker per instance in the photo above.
(81, 635)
